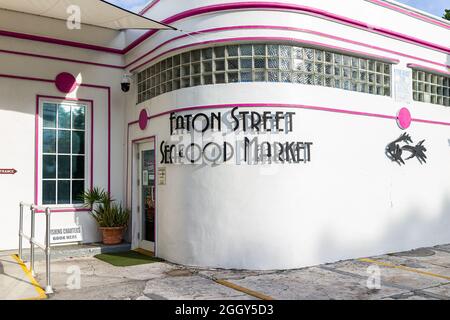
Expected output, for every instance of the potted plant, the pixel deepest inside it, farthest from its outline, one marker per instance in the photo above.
(111, 217)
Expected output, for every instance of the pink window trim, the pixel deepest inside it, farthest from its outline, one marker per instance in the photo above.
(42, 98)
(428, 69)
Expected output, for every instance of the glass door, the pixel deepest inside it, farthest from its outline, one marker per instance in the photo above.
(147, 191)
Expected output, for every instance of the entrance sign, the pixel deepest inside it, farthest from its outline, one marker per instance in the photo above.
(66, 234)
(162, 176)
(8, 171)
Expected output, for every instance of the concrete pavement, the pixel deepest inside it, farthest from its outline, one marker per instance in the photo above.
(418, 274)
(16, 283)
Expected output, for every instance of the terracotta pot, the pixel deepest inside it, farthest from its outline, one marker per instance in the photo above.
(112, 235)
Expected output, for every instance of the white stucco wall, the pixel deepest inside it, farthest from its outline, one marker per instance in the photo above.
(17, 123)
(349, 201)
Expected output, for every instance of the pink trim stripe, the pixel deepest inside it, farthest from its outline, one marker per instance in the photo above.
(37, 131)
(61, 59)
(67, 210)
(287, 7)
(220, 29)
(432, 70)
(281, 39)
(289, 106)
(61, 42)
(224, 7)
(410, 13)
(149, 6)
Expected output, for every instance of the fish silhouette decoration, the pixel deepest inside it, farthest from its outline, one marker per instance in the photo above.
(402, 149)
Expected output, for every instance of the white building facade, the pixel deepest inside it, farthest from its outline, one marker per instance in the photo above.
(258, 135)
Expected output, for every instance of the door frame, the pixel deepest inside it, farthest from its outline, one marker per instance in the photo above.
(136, 218)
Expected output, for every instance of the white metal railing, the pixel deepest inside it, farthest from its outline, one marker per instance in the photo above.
(45, 247)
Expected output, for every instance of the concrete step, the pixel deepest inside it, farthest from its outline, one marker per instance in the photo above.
(73, 251)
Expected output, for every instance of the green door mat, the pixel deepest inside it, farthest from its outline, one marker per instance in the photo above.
(126, 259)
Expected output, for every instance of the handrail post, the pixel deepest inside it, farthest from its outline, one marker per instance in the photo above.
(48, 288)
(33, 210)
(20, 231)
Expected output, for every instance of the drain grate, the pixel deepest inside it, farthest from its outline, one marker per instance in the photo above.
(415, 253)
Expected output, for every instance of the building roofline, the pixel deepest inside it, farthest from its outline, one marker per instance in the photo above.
(412, 12)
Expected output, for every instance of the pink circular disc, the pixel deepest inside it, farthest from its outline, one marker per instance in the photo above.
(143, 119)
(404, 118)
(65, 82)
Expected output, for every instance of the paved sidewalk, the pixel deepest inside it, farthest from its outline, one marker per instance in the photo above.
(16, 283)
(418, 274)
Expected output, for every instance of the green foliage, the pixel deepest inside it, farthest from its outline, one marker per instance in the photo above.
(446, 14)
(105, 211)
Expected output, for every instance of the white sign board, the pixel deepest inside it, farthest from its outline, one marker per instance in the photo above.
(162, 176)
(66, 234)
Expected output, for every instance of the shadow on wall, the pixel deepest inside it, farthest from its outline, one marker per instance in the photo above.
(412, 232)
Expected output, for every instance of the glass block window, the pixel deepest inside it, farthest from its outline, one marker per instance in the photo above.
(431, 88)
(264, 63)
(63, 153)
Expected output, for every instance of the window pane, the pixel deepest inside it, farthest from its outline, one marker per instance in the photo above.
(49, 115)
(78, 142)
(77, 190)
(64, 116)
(48, 192)
(233, 64)
(246, 76)
(49, 141)
(246, 63)
(220, 77)
(246, 50)
(272, 50)
(78, 117)
(49, 167)
(207, 53)
(219, 52)
(259, 49)
(63, 192)
(232, 51)
(63, 141)
(220, 65)
(260, 63)
(207, 66)
(63, 167)
(78, 167)
(233, 77)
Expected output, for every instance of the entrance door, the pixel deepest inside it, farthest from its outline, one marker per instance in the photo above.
(147, 196)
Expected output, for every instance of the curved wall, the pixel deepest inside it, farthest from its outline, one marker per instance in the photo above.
(349, 201)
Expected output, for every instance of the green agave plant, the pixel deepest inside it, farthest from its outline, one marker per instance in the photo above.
(105, 211)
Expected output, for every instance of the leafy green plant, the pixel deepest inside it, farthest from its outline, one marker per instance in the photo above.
(104, 210)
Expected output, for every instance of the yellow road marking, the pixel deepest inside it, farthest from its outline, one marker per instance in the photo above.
(244, 290)
(39, 290)
(385, 264)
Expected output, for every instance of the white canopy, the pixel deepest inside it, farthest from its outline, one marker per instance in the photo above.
(93, 12)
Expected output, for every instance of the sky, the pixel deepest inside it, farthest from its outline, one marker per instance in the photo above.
(435, 7)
